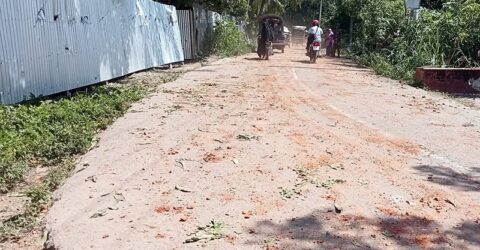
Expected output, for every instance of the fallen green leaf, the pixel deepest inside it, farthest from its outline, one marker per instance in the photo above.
(289, 193)
(246, 137)
(387, 233)
(210, 232)
(329, 183)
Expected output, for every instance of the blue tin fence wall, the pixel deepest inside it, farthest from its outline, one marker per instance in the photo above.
(51, 46)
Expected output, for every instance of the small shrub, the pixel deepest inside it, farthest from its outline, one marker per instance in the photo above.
(385, 39)
(228, 40)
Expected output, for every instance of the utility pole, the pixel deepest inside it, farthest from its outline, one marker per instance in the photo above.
(320, 13)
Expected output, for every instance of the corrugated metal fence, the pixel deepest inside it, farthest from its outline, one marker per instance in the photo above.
(187, 32)
(196, 25)
(50, 46)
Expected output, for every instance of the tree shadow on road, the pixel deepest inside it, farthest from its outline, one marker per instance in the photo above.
(305, 232)
(327, 230)
(313, 67)
(303, 61)
(449, 177)
(468, 232)
(254, 59)
(347, 63)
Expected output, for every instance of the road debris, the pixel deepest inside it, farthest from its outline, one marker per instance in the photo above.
(247, 137)
(450, 202)
(388, 234)
(118, 197)
(333, 124)
(162, 209)
(182, 163)
(92, 178)
(181, 189)
(100, 213)
(287, 193)
(338, 208)
(172, 152)
(356, 243)
(247, 214)
(210, 157)
(80, 170)
(212, 231)
(328, 184)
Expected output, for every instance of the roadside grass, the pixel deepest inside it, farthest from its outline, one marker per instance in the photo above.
(50, 134)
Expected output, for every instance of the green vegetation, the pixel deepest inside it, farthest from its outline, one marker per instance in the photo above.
(394, 45)
(212, 231)
(237, 8)
(49, 134)
(245, 10)
(45, 133)
(229, 40)
(447, 33)
(250, 9)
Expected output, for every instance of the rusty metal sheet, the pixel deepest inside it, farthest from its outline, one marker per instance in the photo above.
(450, 80)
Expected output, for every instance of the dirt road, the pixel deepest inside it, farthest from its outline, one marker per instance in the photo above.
(280, 154)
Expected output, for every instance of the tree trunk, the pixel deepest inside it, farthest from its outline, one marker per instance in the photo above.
(262, 7)
(351, 33)
(251, 11)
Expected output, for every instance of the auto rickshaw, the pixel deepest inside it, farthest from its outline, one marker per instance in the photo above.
(271, 32)
(298, 34)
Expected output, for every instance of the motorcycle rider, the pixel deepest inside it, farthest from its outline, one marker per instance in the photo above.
(314, 33)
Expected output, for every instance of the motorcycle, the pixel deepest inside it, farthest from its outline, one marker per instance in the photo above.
(313, 51)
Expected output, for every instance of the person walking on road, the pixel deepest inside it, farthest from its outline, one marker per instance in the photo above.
(330, 43)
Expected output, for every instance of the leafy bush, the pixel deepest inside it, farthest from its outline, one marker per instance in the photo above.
(447, 35)
(228, 40)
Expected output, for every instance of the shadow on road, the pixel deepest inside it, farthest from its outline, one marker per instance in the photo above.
(254, 59)
(303, 61)
(468, 231)
(304, 67)
(303, 233)
(347, 63)
(449, 177)
(327, 230)
(465, 96)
